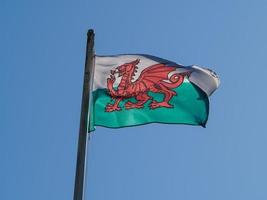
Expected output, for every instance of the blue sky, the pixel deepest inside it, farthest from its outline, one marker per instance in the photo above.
(41, 68)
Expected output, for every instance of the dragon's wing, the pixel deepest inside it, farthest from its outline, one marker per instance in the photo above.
(153, 74)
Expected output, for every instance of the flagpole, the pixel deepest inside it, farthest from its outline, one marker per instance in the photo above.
(79, 188)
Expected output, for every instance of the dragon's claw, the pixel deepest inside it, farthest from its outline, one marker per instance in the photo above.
(111, 108)
(130, 105)
(154, 104)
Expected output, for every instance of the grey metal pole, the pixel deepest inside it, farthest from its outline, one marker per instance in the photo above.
(79, 188)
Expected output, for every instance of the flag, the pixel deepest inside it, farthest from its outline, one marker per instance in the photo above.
(131, 90)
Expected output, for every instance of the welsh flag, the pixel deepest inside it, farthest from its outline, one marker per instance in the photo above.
(131, 90)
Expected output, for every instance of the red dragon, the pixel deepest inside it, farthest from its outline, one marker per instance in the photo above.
(154, 78)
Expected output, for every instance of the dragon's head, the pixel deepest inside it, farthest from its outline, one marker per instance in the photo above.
(127, 68)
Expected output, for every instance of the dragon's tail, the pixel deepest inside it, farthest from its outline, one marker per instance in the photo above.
(176, 79)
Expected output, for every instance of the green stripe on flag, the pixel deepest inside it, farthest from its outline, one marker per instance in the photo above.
(191, 106)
